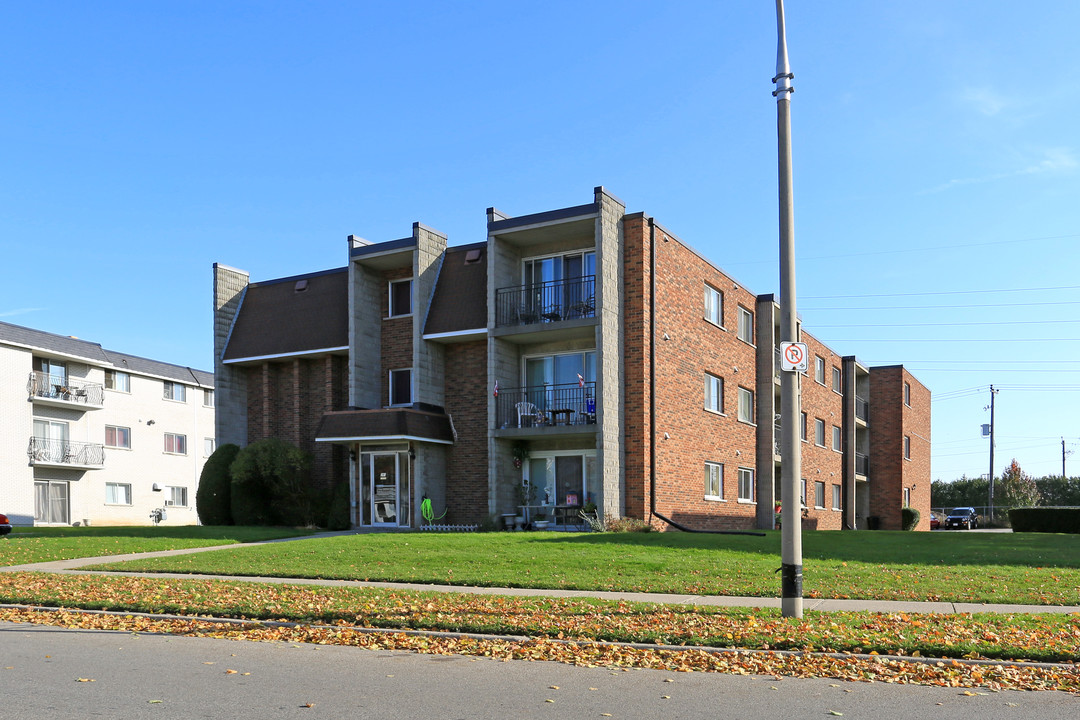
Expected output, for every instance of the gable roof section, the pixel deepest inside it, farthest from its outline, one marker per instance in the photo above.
(143, 366)
(459, 302)
(278, 318)
(59, 344)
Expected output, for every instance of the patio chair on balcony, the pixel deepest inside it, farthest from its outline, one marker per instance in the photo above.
(582, 308)
(528, 414)
(527, 316)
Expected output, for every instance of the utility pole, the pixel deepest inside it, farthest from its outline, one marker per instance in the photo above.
(791, 595)
(1063, 476)
(993, 392)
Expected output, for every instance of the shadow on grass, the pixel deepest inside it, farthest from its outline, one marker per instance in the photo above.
(234, 533)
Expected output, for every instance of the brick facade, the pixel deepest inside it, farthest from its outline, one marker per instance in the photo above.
(466, 403)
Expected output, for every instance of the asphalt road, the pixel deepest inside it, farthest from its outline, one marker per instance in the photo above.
(124, 675)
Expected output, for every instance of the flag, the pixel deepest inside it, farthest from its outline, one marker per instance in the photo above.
(580, 380)
(495, 392)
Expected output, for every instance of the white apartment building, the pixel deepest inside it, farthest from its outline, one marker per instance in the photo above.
(90, 436)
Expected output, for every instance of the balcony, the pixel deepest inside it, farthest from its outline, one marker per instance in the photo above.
(862, 465)
(546, 409)
(550, 302)
(49, 452)
(48, 389)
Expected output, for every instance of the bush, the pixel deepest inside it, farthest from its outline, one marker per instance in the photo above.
(338, 518)
(269, 485)
(212, 500)
(1045, 519)
(909, 518)
(626, 525)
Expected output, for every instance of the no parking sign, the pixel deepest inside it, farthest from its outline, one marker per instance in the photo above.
(793, 357)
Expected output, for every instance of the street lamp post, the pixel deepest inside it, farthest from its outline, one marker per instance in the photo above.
(791, 463)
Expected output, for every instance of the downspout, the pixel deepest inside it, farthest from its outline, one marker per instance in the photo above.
(652, 400)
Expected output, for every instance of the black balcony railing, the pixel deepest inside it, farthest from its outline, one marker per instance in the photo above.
(65, 452)
(862, 465)
(56, 387)
(547, 302)
(546, 406)
(862, 408)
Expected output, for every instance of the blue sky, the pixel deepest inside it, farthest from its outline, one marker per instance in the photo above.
(937, 165)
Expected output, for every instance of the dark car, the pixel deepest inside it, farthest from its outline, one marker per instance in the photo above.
(962, 517)
(5, 524)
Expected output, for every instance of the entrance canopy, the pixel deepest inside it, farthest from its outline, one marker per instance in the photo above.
(348, 426)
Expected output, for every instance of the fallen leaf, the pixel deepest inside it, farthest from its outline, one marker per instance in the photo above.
(230, 672)
(155, 702)
(833, 712)
(553, 687)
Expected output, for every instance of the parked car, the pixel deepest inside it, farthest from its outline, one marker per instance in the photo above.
(5, 524)
(962, 517)
(935, 521)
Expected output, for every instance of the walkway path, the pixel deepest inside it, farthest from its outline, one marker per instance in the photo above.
(809, 604)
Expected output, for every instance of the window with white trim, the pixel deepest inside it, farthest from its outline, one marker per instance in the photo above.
(907, 394)
(746, 485)
(837, 494)
(907, 447)
(802, 492)
(714, 305)
(907, 497)
(401, 387)
(837, 439)
(819, 432)
(175, 444)
(714, 393)
(209, 446)
(117, 494)
(819, 494)
(746, 405)
(176, 496)
(714, 481)
(208, 397)
(117, 437)
(175, 391)
(837, 380)
(819, 369)
(802, 427)
(400, 297)
(746, 325)
(118, 381)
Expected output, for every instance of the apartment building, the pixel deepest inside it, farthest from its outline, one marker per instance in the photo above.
(97, 437)
(575, 356)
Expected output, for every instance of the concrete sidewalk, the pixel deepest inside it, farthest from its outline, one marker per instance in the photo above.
(73, 566)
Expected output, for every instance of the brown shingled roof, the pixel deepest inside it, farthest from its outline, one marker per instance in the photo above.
(460, 298)
(391, 423)
(297, 314)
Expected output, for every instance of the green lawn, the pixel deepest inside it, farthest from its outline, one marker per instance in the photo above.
(1027, 568)
(38, 544)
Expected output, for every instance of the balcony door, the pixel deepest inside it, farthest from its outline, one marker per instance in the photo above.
(51, 502)
(50, 440)
(552, 380)
(558, 284)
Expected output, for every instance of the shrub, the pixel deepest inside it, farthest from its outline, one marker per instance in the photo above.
(269, 485)
(212, 500)
(909, 518)
(338, 518)
(626, 525)
(1046, 519)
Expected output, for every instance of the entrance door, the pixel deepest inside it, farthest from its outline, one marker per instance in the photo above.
(51, 502)
(380, 489)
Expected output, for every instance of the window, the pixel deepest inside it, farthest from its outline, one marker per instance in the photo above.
(50, 443)
(51, 502)
(819, 494)
(837, 494)
(176, 444)
(907, 497)
(746, 485)
(714, 393)
(907, 394)
(746, 325)
(819, 369)
(907, 447)
(400, 298)
(117, 494)
(819, 432)
(746, 405)
(837, 380)
(117, 437)
(207, 397)
(837, 439)
(118, 381)
(714, 306)
(401, 387)
(714, 481)
(209, 445)
(802, 492)
(802, 429)
(175, 391)
(176, 496)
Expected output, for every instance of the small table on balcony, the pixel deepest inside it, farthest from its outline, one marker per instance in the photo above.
(564, 413)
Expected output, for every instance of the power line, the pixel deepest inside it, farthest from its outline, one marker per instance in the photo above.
(949, 324)
(945, 307)
(942, 292)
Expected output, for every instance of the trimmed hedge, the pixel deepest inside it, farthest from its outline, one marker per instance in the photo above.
(270, 484)
(909, 518)
(212, 500)
(1045, 519)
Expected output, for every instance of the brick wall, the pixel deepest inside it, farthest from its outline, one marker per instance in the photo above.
(890, 422)
(687, 435)
(825, 464)
(467, 462)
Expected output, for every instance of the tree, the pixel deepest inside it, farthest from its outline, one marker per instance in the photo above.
(1058, 491)
(212, 500)
(1016, 488)
(959, 493)
(270, 484)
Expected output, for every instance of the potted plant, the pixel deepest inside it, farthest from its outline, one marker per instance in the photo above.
(541, 522)
(520, 451)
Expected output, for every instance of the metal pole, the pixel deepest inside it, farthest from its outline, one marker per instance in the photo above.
(993, 392)
(791, 595)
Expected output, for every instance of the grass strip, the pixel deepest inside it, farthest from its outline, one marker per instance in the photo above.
(1026, 568)
(1042, 637)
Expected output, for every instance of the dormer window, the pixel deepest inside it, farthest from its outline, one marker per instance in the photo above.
(400, 298)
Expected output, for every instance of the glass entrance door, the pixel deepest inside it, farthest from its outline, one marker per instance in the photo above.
(51, 502)
(381, 486)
